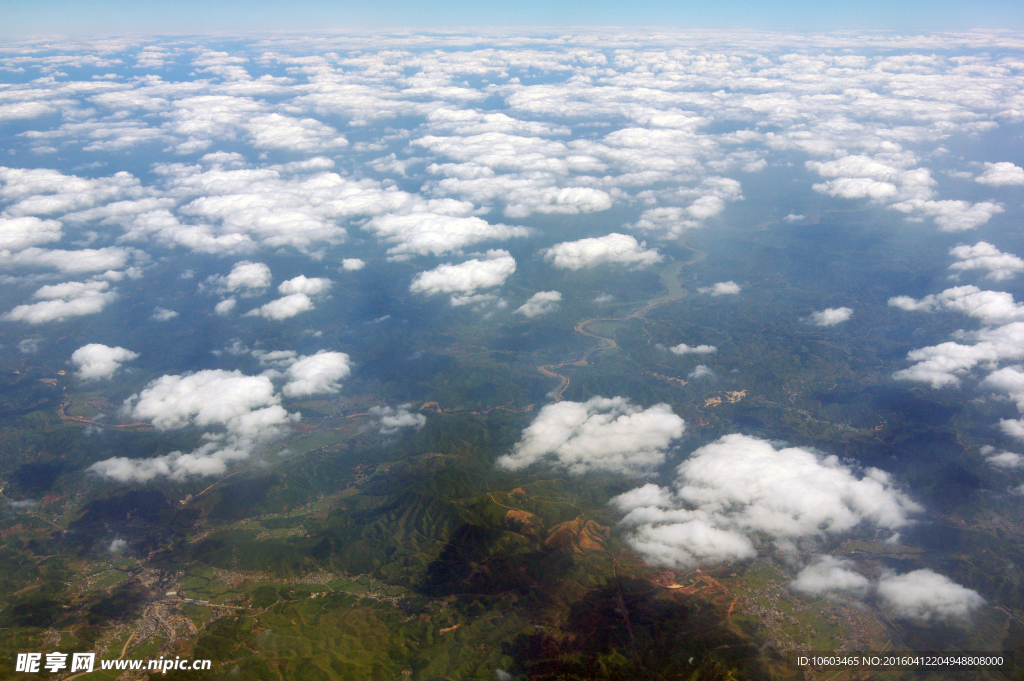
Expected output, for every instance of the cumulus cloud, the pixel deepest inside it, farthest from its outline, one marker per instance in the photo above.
(19, 233)
(204, 398)
(722, 288)
(390, 420)
(671, 222)
(467, 277)
(224, 307)
(423, 233)
(29, 346)
(684, 349)
(352, 264)
(831, 316)
(1001, 174)
(60, 301)
(1009, 460)
(249, 278)
(599, 435)
(161, 314)
(244, 409)
(283, 308)
(1008, 380)
(668, 222)
(70, 262)
(857, 188)
(829, 574)
(952, 216)
(927, 595)
(316, 374)
(615, 248)
(739, 486)
(985, 256)
(702, 372)
(481, 300)
(540, 303)
(944, 364)
(274, 131)
(921, 595)
(302, 284)
(890, 177)
(991, 307)
(95, 361)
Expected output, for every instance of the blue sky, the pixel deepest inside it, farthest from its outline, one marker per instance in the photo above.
(108, 17)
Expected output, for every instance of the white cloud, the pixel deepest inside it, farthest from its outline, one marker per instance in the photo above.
(831, 316)
(274, 131)
(542, 302)
(857, 188)
(601, 434)
(722, 288)
(829, 574)
(245, 408)
(95, 361)
(316, 374)
(389, 420)
(614, 248)
(1010, 460)
(352, 264)
(278, 358)
(204, 398)
(283, 308)
(1001, 174)
(248, 277)
(985, 256)
(952, 216)
(668, 222)
(29, 346)
(992, 307)
(944, 364)
(302, 284)
(927, 595)
(1009, 380)
(424, 233)
(702, 372)
(466, 122)
(480, 299)
(739, 486)
(684, 349)
(70, 262)
(299, 205)
(19, 233)
(709, 200)
(466, 277)
(41, 191)
(201, 238)
(60, 301)
(224, 307)
(161, 314)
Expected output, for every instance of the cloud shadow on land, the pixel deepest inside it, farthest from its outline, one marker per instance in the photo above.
(627, 630)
